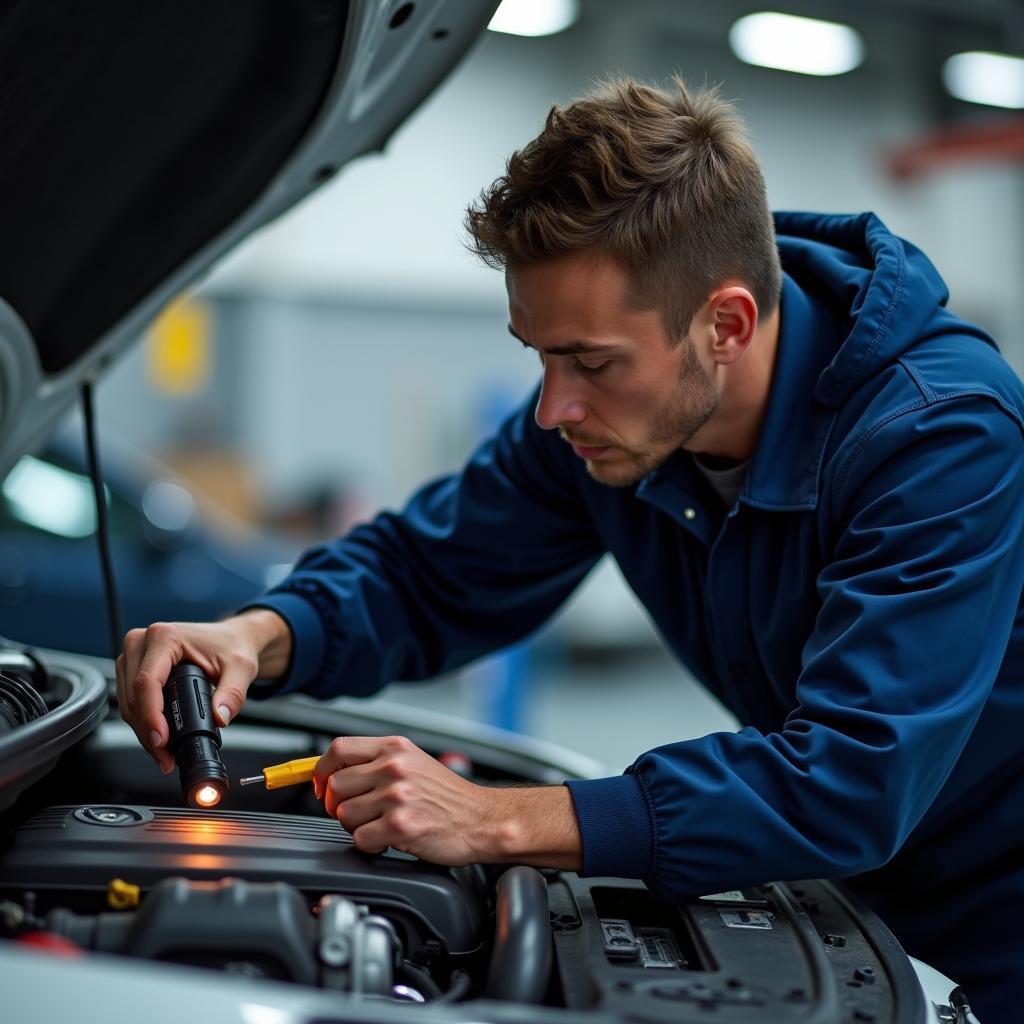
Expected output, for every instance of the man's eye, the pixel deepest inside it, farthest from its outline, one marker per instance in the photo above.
(592, 368)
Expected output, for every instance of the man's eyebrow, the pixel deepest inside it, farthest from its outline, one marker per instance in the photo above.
(573, 348)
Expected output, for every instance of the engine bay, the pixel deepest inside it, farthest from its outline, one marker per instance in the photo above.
(98, 859)
(216, 895)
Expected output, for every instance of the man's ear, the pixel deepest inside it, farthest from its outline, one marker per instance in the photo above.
(731, 314)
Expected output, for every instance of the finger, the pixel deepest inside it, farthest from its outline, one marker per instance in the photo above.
(134, 644)
(119, 685)
(372, 837)
(358, 811)
(232, 687)
(344, 752)
(164, 760)
(122, 700)
(162, 652)
(346, 784)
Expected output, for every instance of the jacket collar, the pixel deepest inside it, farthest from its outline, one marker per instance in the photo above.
(785, 471)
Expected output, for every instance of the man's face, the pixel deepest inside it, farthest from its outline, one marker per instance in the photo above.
(615, 387)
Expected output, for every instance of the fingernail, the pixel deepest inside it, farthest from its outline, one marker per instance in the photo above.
(225, 713)
(166, 769)
(154, 738)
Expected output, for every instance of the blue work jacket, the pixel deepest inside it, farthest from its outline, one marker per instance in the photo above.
(858, 608)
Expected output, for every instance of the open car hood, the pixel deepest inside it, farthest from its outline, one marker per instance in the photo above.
(143, 141)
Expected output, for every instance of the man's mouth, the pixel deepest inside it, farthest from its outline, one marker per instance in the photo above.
(589, 452)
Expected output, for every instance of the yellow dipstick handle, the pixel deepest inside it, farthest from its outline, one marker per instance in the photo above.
(122, 895)
(288, 774)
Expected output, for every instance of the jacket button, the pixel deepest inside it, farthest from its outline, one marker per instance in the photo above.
(689, 513)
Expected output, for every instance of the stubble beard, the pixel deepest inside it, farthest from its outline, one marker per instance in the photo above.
(686, 411)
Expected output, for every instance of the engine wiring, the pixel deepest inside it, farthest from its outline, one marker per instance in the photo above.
(20, 703)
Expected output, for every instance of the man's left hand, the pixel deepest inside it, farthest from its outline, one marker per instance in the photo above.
(388, 792)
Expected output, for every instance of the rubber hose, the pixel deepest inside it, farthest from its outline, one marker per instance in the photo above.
(419, 979)
(458, 988)
(521, 961)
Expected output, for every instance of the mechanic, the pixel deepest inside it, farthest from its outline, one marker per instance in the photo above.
(809, 471)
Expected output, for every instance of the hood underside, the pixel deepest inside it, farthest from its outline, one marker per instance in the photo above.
(139, 134)
(141, 141)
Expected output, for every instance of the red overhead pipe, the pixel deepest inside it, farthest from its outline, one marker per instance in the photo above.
(987, 141)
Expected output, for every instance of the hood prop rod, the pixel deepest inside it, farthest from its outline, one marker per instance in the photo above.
(102, 529)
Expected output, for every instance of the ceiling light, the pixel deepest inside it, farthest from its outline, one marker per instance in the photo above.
(804, 45)
(50, 498)
(534, 17)
(995, 79)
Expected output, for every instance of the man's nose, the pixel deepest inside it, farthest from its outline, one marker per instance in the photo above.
(558, 405)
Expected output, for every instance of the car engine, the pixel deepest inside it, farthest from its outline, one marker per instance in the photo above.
(215, 894)
(98, 859)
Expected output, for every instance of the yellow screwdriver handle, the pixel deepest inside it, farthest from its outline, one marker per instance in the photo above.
(290, 773)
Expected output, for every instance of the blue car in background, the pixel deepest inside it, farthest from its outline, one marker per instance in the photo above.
(173, 560)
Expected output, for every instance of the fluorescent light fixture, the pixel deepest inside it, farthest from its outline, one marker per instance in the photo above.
(534, 17)
(50, 498)
(804, 45)
(978, 76)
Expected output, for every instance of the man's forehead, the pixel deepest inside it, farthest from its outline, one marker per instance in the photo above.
(562, 329)
(566, 292)
(575, 305)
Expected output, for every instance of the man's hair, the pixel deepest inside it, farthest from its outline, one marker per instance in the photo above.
(663, 182)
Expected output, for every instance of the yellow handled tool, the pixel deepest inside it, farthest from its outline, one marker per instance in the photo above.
(288, 774)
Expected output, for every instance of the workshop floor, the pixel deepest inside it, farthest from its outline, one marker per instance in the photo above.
(611, 710)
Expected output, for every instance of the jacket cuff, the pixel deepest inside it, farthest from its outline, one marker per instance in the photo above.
(308, 644)
(616, 826)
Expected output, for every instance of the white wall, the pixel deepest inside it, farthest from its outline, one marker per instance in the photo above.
(383, 398)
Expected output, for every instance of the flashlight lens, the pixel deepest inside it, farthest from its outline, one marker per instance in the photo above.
(207, 796)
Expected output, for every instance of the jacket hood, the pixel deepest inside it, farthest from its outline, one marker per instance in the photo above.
(883, 292)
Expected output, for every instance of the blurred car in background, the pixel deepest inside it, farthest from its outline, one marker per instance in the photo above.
(176, 556)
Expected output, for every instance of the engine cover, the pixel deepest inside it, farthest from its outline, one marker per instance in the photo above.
(67, 853)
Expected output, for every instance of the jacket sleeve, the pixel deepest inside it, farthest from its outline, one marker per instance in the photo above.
(918, 599)
(474, 562)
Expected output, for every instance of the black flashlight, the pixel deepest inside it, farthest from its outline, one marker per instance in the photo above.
(195, 738)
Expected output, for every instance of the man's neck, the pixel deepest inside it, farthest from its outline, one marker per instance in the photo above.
(732, 431)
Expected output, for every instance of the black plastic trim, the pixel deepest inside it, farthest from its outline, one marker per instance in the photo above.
(902, 977)
(31, 751)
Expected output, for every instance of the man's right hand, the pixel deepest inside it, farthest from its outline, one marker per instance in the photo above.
(232, 653)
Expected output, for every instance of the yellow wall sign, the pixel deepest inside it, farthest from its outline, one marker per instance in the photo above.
(178, 348)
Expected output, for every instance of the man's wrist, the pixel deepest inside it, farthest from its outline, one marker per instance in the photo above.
(534, 825)
(271, 639)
